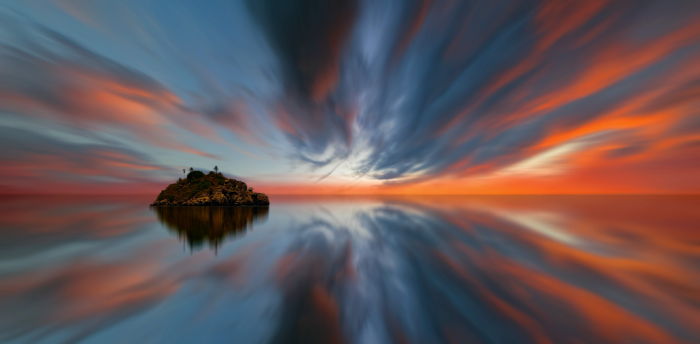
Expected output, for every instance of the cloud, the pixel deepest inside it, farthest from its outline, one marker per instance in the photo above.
(41, 163)
(549, 162)
(308, 38)
(400, 93)
(520, 102)
(63, 81)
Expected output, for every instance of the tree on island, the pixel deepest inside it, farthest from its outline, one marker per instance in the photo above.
(216, 169)
(191, 169)
(184, 171)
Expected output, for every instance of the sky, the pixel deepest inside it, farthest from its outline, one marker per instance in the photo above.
(314, 97)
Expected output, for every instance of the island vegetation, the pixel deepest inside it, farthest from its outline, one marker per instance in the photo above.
(212, 188)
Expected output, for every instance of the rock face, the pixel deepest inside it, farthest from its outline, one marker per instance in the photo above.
(209, 189)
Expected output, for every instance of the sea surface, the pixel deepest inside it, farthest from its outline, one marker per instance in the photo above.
(489, 269)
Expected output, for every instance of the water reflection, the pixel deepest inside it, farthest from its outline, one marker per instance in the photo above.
(391, 270)
(210, 225)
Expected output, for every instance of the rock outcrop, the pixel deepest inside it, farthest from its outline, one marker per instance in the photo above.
(209, 189)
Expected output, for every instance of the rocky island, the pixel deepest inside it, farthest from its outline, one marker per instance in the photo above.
(209, 189)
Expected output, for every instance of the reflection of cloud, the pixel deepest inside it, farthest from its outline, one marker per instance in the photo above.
(608, 260)
(421, 269)
(88, 294)
(547, 223)
(211, 225)
(542, 223)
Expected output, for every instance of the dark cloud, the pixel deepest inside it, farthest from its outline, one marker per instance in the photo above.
(397, 91)
(308, 37)
(442, 84)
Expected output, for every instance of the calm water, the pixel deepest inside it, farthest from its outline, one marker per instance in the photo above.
(352, 270)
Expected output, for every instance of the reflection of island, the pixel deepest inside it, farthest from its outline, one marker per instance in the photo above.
(199, 225)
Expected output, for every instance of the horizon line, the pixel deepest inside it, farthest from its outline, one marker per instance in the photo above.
(369, 194)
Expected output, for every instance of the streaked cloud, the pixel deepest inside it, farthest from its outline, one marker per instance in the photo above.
(366, 96)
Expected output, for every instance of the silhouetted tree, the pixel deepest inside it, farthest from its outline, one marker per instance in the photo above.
(216, 168)
(183, 171)
(191, 169)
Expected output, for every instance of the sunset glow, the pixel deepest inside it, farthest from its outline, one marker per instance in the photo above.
(369, 97)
